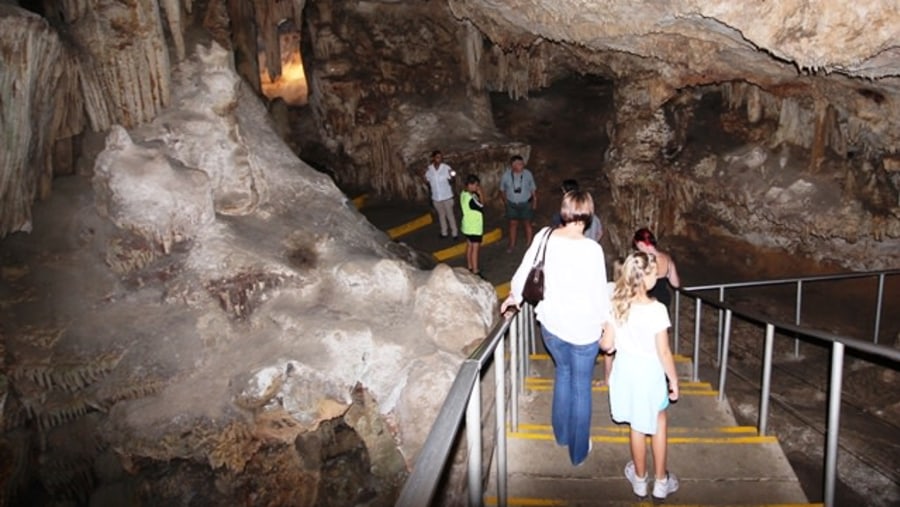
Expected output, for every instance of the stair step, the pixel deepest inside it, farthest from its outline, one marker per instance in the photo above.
(542, 367)
(709, 473)
(684, 391)
(690, 411)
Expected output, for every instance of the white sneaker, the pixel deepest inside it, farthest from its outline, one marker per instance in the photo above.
(665, 487)
(638, 484)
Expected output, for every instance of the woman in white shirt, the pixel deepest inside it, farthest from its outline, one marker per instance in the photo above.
(572, 314)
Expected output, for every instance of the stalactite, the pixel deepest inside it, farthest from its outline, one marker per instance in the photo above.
(795, 124)
(472, 48)
(243, 37)
(172, 9)
(126, 79)
(30, 52)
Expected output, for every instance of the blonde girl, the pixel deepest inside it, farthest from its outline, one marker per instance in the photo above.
(638, 332)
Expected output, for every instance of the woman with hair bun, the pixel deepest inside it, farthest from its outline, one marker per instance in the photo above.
(666, 273)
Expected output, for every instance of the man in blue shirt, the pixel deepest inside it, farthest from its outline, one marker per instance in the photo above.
(519, 192)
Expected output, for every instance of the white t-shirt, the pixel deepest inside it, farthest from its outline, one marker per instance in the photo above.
(637, 335)
(576, 304)
(439, 180)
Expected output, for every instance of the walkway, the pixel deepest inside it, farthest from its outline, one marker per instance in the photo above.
(717, 461)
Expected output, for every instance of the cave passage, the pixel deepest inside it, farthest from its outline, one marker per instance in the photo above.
(565, 124)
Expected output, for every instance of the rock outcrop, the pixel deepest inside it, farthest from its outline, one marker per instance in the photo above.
(225, 341)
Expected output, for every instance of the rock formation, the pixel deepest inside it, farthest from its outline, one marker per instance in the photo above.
(209, 306)
(242, 314)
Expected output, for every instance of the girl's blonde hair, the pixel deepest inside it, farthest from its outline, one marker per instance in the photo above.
(630, 284)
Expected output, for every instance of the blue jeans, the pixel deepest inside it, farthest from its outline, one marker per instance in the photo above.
(571, 413)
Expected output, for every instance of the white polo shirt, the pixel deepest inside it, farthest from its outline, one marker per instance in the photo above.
(439, 181)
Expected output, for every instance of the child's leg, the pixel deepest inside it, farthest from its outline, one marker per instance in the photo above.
(475, 249)
(639, 452)
(607, 363)
(469, 249)
(658, 444)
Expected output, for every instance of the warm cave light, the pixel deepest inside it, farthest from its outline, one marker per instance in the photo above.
(291, 84)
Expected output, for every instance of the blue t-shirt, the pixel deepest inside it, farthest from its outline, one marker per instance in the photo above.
(517, 187)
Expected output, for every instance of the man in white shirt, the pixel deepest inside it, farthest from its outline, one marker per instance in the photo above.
(439, 175)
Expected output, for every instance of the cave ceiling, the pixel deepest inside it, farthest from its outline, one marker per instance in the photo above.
(698, 42)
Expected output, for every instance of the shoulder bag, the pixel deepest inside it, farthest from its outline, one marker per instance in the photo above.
(533, 291)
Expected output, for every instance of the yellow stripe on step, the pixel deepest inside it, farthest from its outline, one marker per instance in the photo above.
(408, 227)
(651, 504)
(460, 248)
(677, 430)
(525, 502)
(683, 385)
(603, 389)
(544, 357)
(360, 200)
(502, 290)
(601, 439)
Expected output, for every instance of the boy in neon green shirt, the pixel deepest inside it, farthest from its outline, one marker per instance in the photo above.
(472, 226)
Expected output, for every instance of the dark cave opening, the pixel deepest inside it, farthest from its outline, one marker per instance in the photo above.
(566, 126)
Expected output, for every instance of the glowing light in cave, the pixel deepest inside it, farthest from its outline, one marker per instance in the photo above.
(291, 84)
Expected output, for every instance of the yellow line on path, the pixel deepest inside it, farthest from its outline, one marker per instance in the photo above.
(360, 200)
(765, 439)
(502, 290)
(683, 385)
(525, 502)
(729, 430)
(603, 389)
(460, 248)
(408, 227)
(543, 357)
(549, 502)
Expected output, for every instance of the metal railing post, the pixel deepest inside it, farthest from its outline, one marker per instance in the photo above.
(473, 440)
(514, 352)
(675, 325)
(500, 402)
(723, 363)
(695, 375)
(797, 315)
(531, 338)
(766, 380)
(719, 328)
(878, 306)
(834, 417)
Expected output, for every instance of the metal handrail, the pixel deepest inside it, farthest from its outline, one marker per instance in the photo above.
(838, 345)
(464, 398)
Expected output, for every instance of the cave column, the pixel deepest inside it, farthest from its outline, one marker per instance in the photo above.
(639, 135)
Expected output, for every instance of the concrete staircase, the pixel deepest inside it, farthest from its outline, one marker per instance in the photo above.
(717, 461)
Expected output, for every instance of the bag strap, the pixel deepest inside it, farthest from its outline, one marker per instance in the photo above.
(542, 248)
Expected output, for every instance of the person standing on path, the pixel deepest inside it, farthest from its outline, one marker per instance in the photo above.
(644, 380)
(439, 175)
(572, 315)
(472, 220)
(519, 193)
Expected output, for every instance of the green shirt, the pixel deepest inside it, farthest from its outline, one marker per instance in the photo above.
(472, 217)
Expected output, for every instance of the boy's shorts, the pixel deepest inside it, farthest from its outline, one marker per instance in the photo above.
(519, 210)
(473, 238)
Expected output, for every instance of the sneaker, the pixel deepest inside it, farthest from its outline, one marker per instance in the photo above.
(638, 484)
(663, 488)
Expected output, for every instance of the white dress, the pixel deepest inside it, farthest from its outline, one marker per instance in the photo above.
(637, 386)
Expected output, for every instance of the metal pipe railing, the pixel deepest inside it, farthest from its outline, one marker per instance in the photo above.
(838, 344)
(464, 399)
(766, 386)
